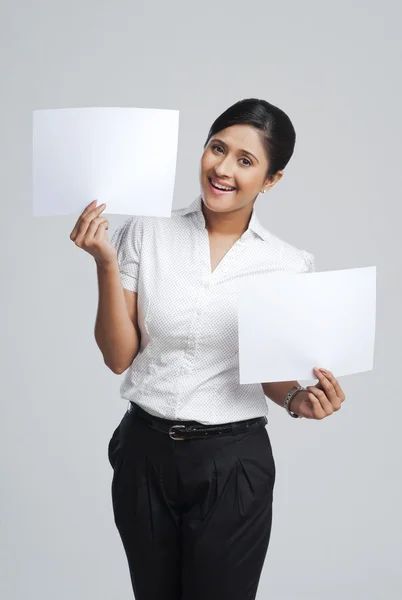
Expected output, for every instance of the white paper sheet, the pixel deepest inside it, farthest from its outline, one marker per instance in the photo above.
(289, 324)
(124, 157)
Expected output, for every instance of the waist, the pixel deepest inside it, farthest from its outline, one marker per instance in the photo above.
(206, 403)
(186, 429)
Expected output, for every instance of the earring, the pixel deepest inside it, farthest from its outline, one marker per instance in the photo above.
(263, 191)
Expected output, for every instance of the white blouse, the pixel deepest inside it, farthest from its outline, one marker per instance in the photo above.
(187, 367)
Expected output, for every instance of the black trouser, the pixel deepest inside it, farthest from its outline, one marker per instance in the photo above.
(195, 515)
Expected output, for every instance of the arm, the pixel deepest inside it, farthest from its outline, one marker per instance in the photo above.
(116, 329)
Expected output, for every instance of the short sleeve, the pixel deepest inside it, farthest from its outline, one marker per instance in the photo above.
(127, 240)
(309, 260)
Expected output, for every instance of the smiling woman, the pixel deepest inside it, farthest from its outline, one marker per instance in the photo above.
(198, 513)
(247, 148)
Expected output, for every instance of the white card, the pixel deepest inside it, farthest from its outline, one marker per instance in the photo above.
(123, 157)
(289, 324)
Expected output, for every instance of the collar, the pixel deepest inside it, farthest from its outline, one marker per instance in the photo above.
(254, 225)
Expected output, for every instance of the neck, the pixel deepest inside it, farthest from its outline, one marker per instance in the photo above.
(230, 224)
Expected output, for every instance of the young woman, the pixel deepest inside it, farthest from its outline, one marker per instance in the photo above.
(193, 466)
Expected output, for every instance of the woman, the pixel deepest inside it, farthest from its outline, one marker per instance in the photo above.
(193, 467)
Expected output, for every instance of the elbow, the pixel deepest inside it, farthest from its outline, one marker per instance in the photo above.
(118, 369)
(115, 369)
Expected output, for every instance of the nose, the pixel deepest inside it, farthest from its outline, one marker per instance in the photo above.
(223, 167)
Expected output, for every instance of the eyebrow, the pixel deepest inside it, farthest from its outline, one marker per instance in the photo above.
(241, 151)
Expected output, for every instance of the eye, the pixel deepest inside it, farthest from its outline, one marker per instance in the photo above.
(216, 147)
(249, 163)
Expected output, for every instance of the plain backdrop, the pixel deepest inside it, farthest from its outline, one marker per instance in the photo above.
(335, 68)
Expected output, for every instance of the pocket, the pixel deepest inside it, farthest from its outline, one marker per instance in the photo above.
(121, 435)
(256, 480)
(268, 444)
(256, 466)
(113, 447)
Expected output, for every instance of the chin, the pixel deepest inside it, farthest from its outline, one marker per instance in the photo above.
(213, 203)
(222, 207)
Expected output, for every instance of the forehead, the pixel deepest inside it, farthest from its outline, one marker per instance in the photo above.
(243, 137)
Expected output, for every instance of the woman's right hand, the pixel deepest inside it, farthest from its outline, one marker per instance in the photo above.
(89, 233)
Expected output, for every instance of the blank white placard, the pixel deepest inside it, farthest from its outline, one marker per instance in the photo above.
(124, 157)
(289, 324)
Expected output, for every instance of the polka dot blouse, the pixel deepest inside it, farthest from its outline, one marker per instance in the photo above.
(188, 364)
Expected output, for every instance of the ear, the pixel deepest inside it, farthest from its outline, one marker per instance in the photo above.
(273, 180)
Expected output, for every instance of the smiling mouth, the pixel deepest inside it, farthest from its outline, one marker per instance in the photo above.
(221, 188)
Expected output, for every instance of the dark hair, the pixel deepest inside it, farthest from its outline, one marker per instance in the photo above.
(278, 131)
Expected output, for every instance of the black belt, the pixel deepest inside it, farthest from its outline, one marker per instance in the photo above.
(192, 429)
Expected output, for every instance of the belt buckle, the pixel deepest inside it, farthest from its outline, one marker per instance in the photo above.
(172, 433)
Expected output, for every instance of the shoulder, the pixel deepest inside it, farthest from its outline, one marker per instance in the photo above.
(131, 233)
(134, 225)
(288, 256)
(137, 228)
(167, 225)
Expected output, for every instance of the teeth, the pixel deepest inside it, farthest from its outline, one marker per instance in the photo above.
(222, 187)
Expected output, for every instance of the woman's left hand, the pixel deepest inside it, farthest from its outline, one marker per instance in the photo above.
(321, 400)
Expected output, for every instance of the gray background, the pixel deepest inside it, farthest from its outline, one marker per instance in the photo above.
(335, 67)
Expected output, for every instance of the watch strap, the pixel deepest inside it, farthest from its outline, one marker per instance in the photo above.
(289, 396)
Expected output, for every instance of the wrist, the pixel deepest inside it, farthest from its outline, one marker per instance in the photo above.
(106, 265)
(291, 405)
(295, 401)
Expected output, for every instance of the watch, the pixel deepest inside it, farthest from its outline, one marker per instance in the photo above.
(289, 396)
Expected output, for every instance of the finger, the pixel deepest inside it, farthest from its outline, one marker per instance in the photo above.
(91, 231)
(91, 209)
(101, 229)
(87, 209)
(335, 383)
(318, 410)
(86, 222)
(320, 403)
(93, 228)
(326, 385)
